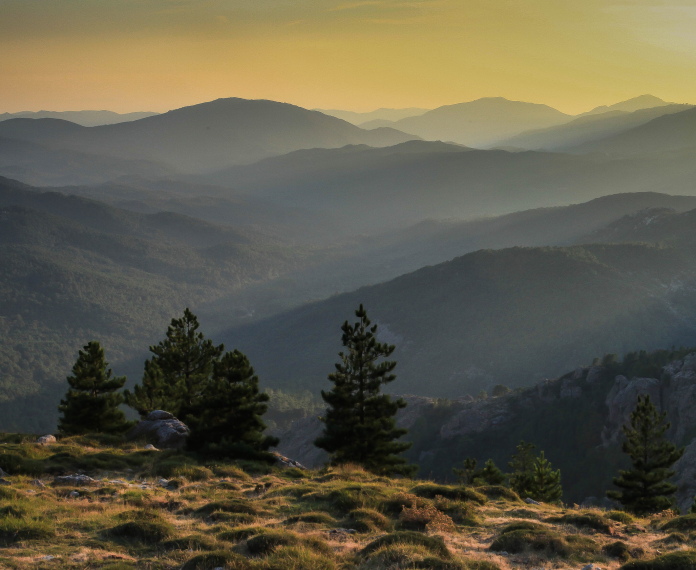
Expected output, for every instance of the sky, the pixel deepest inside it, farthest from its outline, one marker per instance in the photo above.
(156, 55)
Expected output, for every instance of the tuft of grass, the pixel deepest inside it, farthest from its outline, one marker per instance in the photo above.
(683, 560)
(192, 473)
(218, 559)
(427, 518)
(317, 517)
(585, 520)
(524, 514)
(684, 523)
(12, 511)
(147, 532)
(299, 558)
(528, 540)
(241, 533)
(499, 492)
(434, 544)
(620, 516)
(618, 550)
(266, 543)
(191, 542)
(230, 506)
(231, 472)
(457, 492)
(14, 530)
(368, 520)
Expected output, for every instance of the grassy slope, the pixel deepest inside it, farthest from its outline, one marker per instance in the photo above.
(283, 518)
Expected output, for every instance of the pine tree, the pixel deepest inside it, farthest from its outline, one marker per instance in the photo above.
(359, 424)
(185, 359)
(225, 421)
(154, 393)
(491, 474)
(91, 403)
(468, 473)
(645, 488)
(522, 465)
(546, 483)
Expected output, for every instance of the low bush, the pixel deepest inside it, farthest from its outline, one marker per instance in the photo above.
(620, 516)
(427, 518)
(617, 550)
(264, 544)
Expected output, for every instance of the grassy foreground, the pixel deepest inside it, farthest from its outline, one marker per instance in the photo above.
(161, 510)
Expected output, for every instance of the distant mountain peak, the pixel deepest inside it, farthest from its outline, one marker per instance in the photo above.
(630, 105)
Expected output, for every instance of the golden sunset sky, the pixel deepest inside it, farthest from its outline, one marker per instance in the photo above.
(155, 55)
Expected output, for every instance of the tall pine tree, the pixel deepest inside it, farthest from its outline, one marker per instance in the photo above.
(359, 424)
(181, 365)
(91, 404)
(522, 465)
(645, 488)
(226, 420)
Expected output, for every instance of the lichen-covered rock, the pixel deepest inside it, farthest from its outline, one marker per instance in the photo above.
(161, 429)
(46, 439)
(74, 481)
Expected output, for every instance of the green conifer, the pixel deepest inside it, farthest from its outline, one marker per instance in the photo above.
(522, 466)
(546, 483)
(184, 363)
(225, 421)
(468, 473)
(491, 474)
(359, 423)
(91, 404)
(645, 488)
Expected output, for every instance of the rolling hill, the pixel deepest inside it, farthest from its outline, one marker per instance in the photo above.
(204, 137)
(481, 123)
(84, 118)
(589, 128)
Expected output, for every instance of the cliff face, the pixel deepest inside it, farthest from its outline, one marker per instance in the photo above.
(576, 419)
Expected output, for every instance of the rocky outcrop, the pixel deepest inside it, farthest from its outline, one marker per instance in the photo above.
(162, 430)
(46, 439)
(621, 401)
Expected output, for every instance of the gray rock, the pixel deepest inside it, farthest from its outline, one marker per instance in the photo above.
(38, 483)
(531, 501)
(73, 494)
(283, 461)
(74, 480)
(150, 447)
(4, 481)
(162, 430)
(46, 439)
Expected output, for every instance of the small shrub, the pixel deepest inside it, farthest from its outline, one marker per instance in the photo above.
(461, 512)
(141, 531)
(217, 559)
(524, 514)
(675, 538)
(617, 550)
(434, 544)
(523, 525)
(620, 516)
(432, 490)
(683, 560)
(428, 518)
(684, 523)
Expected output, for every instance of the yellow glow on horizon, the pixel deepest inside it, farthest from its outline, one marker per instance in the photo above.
(129, 55)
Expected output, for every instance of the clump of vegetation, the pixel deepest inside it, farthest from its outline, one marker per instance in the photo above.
(264, 544)
(585, 520)
(191, 542)
(620, 516)
(218, 559)
(241, 533)
(316, 517)
(499, 492)
(683, 560)
(426, 518)
(14, 529)
(532, 540)
(432, 490)
(684, 523)
(368, 520)
(230, 506)
(618, 550)
(434, 544)
(147, 532)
